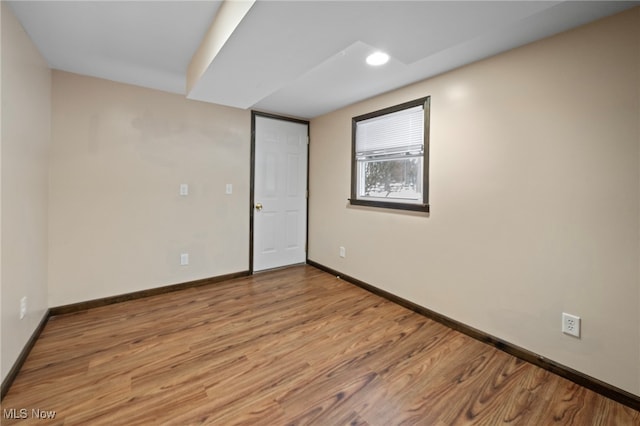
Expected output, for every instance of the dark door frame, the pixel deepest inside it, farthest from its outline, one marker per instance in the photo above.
(252, 200)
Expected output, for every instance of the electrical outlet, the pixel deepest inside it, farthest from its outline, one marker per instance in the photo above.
(184, 259)
(570, 324)
(343, 252)
(23, 307)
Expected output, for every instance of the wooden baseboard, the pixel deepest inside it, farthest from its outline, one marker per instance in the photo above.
(11, 376)
(95, 303)
(605, 389)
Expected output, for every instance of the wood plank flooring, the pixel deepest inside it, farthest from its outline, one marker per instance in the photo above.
(289, 347)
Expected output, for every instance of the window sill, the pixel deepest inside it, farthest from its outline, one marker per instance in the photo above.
(390, 205)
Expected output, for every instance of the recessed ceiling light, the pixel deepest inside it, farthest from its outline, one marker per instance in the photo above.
(377, 58)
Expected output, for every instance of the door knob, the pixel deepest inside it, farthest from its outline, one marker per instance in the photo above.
(258, 206)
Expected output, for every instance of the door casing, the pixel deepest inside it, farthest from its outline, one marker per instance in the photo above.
(252, 200)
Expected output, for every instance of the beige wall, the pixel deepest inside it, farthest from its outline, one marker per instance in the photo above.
(117, 223)
(26, 112)
(534, 199)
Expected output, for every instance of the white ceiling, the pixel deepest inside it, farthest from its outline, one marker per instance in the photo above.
(299, 58)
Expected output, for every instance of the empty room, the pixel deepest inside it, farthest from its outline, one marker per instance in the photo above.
(320, 212)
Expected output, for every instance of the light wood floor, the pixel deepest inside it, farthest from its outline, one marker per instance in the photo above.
(295, 346)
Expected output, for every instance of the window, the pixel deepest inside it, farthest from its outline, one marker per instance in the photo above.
(390, 164)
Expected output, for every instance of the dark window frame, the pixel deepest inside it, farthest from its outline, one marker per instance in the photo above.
(398, 205)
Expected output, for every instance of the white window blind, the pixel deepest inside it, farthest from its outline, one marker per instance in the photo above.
(401, 131)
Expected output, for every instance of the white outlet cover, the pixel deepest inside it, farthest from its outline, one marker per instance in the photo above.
(184, 189)
(184, 259)
(23, 307)
(571, 324)
(229, 189)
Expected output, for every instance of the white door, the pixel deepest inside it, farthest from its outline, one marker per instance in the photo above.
(280, 193)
